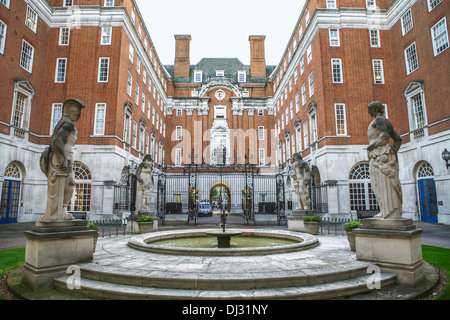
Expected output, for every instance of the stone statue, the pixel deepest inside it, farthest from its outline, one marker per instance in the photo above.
(57, 163)
(383, 163)
(302, 178)
(144, 176)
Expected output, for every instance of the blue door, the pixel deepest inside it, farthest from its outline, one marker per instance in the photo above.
(9, 205)
(428, 201)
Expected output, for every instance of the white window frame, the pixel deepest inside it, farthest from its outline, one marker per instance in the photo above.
(331, 4)
(374, 62)
(99, 123)
(178, 156)
(67, 3)
(179, 133)
(62, 36)
(433, 36)
(411, 60)
(336, 73)
(58, 70)
(340, 118)
(371, 5)
(334, 40)
(374, 36)
(262, 157)
(3, 30)
(131, 53)
(260, 133)
(106, 36)
(134, 134)
(242, 76)
(56, 116)
(308, 54)
(31, 19)
(304, 94)
(5, 3)
(109, 3)
(28, 56)
(101, 78)
(311, 84)
(129, 84)
(198, 76)
(137, 93)
(406, 20)
(432, 4)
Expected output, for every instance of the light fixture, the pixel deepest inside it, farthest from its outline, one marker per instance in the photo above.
(446, 157)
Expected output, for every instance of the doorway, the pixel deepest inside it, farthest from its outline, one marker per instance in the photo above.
(426, 189)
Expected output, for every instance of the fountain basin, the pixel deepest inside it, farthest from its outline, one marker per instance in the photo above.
(297, 242)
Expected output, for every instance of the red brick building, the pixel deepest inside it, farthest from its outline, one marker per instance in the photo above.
(342, 54)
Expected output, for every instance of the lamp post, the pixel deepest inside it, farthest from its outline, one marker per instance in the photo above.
(446, 157)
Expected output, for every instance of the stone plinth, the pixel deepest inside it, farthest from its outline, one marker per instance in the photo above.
(395, 245)
(133, 225)
(53, 246)
(295, 220)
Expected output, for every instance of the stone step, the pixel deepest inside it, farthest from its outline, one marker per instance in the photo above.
(94, 289)
(219, 281)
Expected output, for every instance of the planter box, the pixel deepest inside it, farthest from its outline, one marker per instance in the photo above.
(351, 240)
(312, 227)
(145, 227)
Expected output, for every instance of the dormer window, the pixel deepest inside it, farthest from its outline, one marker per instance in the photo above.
(198, 76)
(220, 73)
(242, 76)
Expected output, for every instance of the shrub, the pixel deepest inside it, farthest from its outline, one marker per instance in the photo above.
(353, 224)
(145, 219)
(92, 226)
(312, 219)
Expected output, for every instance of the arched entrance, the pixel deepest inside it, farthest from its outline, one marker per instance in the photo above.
(220, 193)
(10, 198)
(426, 190)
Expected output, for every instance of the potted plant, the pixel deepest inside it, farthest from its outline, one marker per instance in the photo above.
(92, 226)
(353, 224)
(312, 224)
(145, 224)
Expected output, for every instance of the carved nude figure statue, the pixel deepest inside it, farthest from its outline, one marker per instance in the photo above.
(302, 178)
(57, 163)
(383, 163)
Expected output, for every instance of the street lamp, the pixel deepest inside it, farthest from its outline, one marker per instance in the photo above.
(446, 157)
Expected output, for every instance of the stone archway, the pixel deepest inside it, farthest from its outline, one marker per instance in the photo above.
(217, 190)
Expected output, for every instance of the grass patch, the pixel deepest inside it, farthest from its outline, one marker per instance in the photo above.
(11, 259)
(439, 257)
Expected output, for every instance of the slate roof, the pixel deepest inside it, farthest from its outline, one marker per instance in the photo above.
(209, 66)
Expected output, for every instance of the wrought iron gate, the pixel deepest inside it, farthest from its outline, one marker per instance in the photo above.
(244, 192)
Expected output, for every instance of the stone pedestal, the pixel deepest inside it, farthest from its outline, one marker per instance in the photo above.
(295, 220)
(53, 246)
(133, 225)
(395, 245)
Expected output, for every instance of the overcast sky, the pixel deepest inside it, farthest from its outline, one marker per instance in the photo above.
(220, 29)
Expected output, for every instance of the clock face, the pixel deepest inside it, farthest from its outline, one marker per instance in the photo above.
(220, 95)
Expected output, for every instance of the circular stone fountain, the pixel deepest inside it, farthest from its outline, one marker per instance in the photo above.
(192, 242)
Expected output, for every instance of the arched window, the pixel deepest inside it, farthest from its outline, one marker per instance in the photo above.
(361, 194)
(81, 201)
(425, 171)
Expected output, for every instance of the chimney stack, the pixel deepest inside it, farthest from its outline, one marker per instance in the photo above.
(257, 57)
(182, 56)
